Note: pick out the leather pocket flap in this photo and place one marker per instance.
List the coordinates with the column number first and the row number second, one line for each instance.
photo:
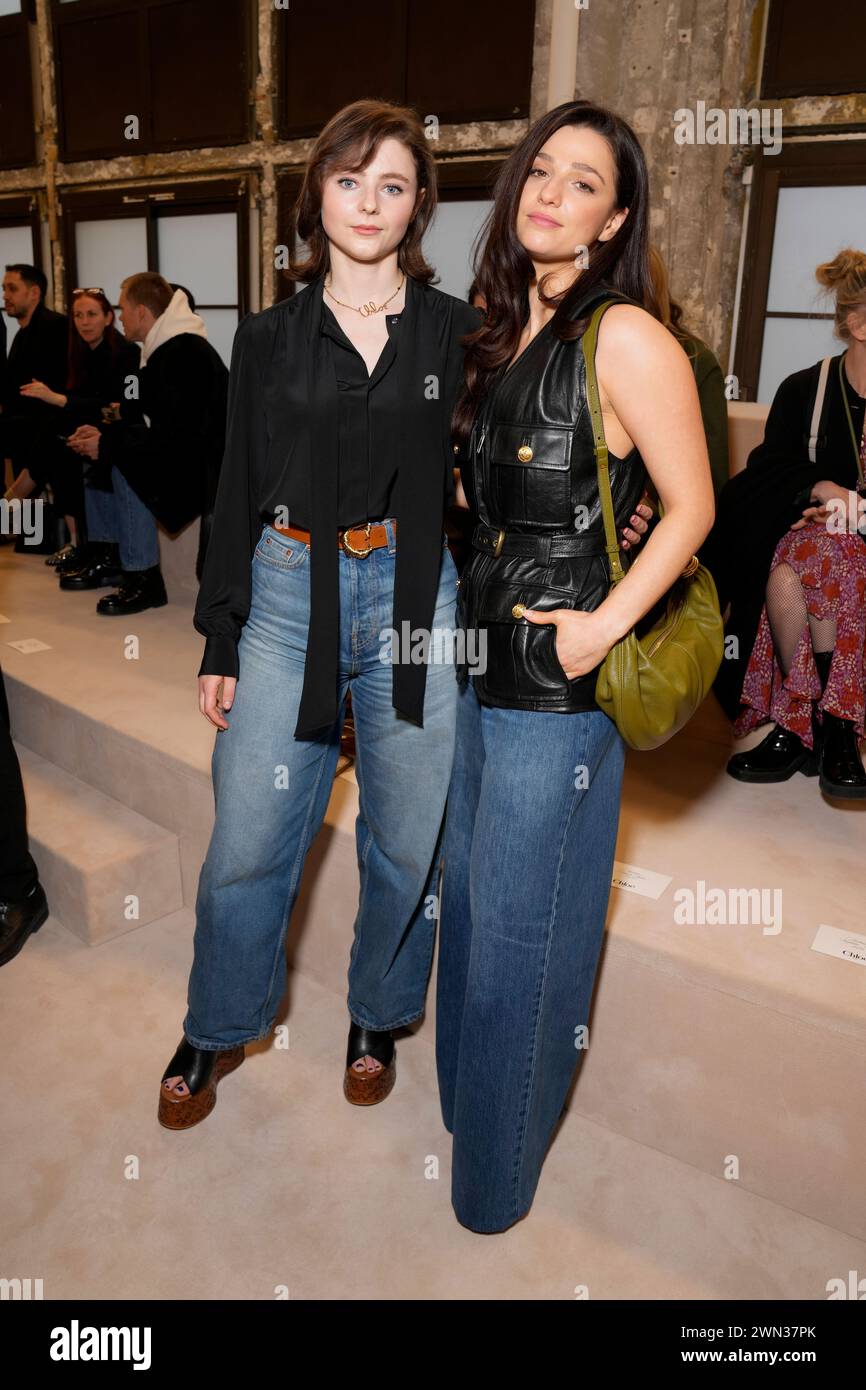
column 497, row 600
column 539, row 446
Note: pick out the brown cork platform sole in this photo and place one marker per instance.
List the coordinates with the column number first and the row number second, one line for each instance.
column 181, row 1112
column 368, row 1088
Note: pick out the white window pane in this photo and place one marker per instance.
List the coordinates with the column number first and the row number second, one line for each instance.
column 108, row 251
column 16, row 245
column 200, row 251
column 221, row 325
column 448, row 243
column 812, row 225
column 789, row 346
column 10, row 7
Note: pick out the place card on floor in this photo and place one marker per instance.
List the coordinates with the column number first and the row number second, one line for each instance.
column 847, row 945
column 634, row 880
column 28, row 645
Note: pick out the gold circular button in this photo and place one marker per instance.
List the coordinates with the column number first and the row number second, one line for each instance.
column 524, row 453
column 518, row 610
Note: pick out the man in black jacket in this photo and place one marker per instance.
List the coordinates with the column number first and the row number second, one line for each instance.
column 167, row 447
column 39, row 351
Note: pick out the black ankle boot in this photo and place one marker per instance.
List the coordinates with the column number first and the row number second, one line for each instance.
column 775, row 759
column 139, row 589
column 840, row 767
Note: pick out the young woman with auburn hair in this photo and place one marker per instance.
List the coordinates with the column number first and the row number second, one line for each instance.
column 328, row 531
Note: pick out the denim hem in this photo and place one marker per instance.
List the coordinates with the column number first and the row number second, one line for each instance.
column 490, row 1230
column 211, row 1046
column 384, row 1027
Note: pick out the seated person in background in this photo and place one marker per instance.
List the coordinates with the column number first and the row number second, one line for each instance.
column 165, row 450
column 100, row 359
column 807, row 669
column 708, row 374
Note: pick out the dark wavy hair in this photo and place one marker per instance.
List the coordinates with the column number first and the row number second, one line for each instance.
column 349, row 141
column 503, row 268
column 79, row 352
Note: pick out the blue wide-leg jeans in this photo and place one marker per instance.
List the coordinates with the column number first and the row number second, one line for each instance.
column 122, row 516
column 528, row 850
column 271, row 792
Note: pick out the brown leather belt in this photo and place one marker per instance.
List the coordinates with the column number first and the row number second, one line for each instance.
column 372, row 534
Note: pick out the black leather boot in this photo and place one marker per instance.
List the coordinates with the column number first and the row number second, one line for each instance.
column 840, row 767
column 20, row 920
column 774, row 759
column 139, row 589
column 101, row 569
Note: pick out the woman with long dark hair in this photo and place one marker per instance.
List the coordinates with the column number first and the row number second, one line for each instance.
column 533, row 804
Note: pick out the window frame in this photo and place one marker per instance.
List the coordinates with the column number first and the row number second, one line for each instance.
column 151, row 202
column 66, row 14
column 20, row 23
column 807, row 164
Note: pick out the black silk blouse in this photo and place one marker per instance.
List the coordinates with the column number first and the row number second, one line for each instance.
column 365, row 475
column 390, row 440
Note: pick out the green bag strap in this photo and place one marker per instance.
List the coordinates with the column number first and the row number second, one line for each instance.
column 590, row 339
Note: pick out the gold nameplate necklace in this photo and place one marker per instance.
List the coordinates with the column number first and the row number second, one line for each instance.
column 371, row 307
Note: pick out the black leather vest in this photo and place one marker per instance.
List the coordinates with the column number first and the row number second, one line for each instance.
column 530, row 478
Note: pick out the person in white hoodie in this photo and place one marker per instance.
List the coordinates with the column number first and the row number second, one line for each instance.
column 163, row 455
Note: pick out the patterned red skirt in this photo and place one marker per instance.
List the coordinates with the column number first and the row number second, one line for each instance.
column 832, row 570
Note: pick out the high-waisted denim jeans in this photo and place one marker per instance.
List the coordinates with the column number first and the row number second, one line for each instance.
column 271, row 792
column 528, row 850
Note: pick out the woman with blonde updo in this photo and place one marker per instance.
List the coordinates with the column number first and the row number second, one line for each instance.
column 807, row 670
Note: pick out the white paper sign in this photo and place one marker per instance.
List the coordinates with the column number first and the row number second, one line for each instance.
column 634, row 880
column 29, row 644
column 847, row 945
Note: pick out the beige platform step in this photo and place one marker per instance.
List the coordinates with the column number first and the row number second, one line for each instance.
column 106, row 870
column 306, row 1190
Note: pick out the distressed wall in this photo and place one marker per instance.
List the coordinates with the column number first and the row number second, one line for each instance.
column 645, row 58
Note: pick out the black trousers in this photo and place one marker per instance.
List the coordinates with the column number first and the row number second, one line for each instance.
column 18, row 872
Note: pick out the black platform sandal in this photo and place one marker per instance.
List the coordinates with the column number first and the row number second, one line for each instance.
column 369, row 1087
column 202, row 1071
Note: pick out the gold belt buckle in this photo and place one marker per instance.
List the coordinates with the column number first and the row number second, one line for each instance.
column 347, row 545
column 500, row 540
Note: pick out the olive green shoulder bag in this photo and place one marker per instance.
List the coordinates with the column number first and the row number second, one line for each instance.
column 651, row 685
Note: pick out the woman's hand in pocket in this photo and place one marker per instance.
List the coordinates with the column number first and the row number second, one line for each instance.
column 215, row 695
column 581, row 639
